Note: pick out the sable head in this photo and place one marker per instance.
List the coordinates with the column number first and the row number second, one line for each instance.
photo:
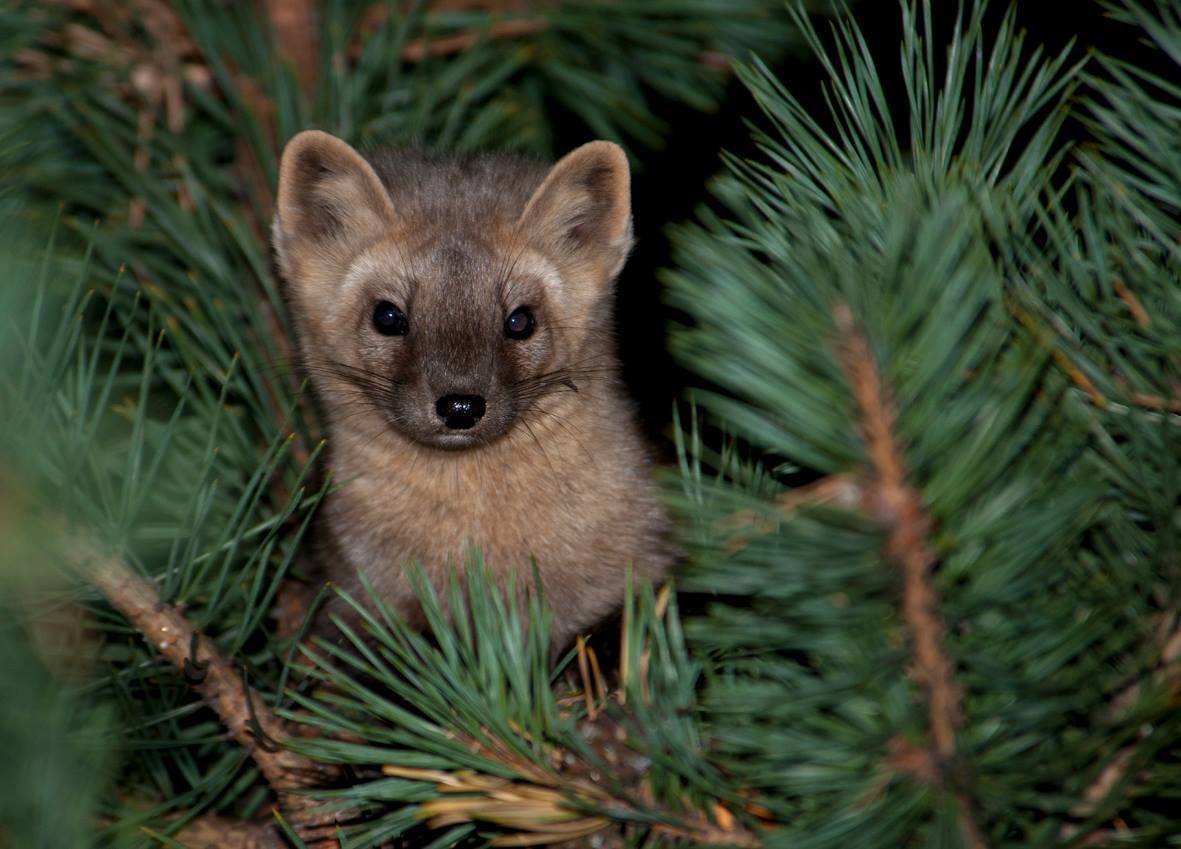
column 447, row 299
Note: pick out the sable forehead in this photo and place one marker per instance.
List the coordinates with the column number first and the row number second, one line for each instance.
column 402, row 265
column 461, row 262
column 456, row 269
column 456, row 284
column 424, row 186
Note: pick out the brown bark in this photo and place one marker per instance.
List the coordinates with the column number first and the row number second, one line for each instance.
column 244, row 713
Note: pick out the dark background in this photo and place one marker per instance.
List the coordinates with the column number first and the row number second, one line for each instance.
column 671, row 183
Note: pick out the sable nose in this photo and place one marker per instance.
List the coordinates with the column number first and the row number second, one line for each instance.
column 459, row 412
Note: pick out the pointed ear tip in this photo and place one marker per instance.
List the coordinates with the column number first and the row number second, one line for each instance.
column 306, row 140
column 295, row 147
column 608, row 150
column 601, row 151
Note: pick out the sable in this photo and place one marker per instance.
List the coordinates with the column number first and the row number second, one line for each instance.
column 455, row 318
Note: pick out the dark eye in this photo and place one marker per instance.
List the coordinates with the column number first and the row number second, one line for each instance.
column 519, row 324
column 388, row 320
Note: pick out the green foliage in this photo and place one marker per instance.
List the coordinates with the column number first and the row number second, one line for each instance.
column 984, row 290
column 475, row 711
column 68, row 753
column 120, row 443
column 147, row 408
column 147, row 402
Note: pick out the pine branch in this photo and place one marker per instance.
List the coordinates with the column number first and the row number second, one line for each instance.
column 471, row 731
column 552, row 809
column 242, row 710
column 838, row 490
column 1155, row 402
column 1049, row 525
column 1135, row 306
column 984, row 285
column 890, row 498
column 1165, row 676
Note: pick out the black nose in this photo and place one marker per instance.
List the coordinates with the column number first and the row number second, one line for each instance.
column 459, row 412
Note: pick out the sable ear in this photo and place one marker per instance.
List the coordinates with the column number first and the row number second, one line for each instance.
column 329, row 197
column 582, row 209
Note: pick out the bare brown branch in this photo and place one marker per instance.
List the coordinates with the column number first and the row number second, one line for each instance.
column 1155, row 402
column 839, row 490
column 240, row 709
column 214, row 831
column 1046, row 337
column 487, row 5
column 893, row 500
column 551, row 812
column 515, row 27
column 561, row 801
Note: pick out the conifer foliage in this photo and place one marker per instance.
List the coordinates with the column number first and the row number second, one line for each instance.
column 929, row 499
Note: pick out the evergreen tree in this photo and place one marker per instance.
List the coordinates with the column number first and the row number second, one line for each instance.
column 929, row 498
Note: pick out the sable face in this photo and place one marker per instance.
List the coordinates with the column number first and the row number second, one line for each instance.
column 446, row 344
column 447, row 310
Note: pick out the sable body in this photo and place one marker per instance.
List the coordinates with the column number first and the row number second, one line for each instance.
column 417, row 281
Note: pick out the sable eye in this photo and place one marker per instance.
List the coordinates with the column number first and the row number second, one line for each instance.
column 519, row 324
column 388, row 320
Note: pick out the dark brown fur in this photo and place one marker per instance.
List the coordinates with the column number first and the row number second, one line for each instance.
column 555, row 471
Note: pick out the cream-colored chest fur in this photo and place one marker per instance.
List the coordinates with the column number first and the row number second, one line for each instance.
column 575, row 496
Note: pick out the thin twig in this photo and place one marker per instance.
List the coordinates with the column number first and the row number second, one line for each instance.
column 1134, row 305
column 212, row 830
column 419, row 49
column 1167, row 671
column 839, row 490
column 423, row 48
column 584, row 671
column 552, row 797
column 549, row 813
column 1064, row 361
column 597, row 676
column 484, row 5
column 889, row 496
column 895, row 501
column 1078, row 376
column 1155, row 402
